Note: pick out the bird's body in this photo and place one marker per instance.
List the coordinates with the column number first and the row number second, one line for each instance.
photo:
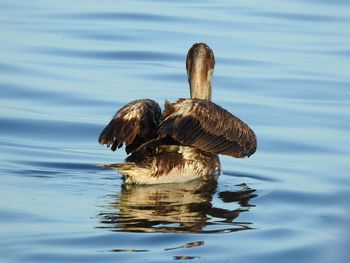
column 183, row 142
column 169, row 164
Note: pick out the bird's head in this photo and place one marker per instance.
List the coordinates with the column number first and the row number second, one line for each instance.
column 200, row 64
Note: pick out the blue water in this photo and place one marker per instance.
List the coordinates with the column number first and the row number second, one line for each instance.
column 67, row 66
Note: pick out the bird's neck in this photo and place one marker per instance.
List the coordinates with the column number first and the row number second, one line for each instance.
column 200, row 83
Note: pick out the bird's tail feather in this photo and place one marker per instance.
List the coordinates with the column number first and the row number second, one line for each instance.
column 121, row 167
column 132, row 172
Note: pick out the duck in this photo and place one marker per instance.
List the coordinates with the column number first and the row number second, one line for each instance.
column 183, row 142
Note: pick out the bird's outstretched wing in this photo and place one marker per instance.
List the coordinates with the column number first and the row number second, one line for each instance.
column 133, row 125
column 206, row 126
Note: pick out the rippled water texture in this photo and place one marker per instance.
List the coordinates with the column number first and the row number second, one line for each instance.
column 281, row 66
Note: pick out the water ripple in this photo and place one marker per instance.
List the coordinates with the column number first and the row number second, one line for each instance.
column 118, row 16
column 15, row 69
column 63, row 165
column 48, row 129
column 13, row 91
column 128, row 55
column 301, row 17
column 249, row 175
column 10, row 216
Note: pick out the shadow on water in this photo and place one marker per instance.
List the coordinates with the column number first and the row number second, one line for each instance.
column 197, row 207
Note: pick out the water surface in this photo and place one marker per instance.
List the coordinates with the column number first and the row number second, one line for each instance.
column 66, row 67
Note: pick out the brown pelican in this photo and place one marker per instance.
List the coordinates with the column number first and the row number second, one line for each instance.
column 182, row 143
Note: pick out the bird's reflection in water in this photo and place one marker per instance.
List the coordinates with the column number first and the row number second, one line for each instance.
column 183, row 208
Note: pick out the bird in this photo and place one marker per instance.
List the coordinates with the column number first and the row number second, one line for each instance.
column 182, row 142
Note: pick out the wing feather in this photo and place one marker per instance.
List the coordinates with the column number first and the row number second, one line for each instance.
column 132, row 125
column 207, row 126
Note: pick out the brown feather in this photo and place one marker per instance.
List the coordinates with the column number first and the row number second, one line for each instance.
column 132, row 125
column 207, row 126
column 164, row 158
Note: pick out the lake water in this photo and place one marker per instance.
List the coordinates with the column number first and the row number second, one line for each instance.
column 67, row 66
